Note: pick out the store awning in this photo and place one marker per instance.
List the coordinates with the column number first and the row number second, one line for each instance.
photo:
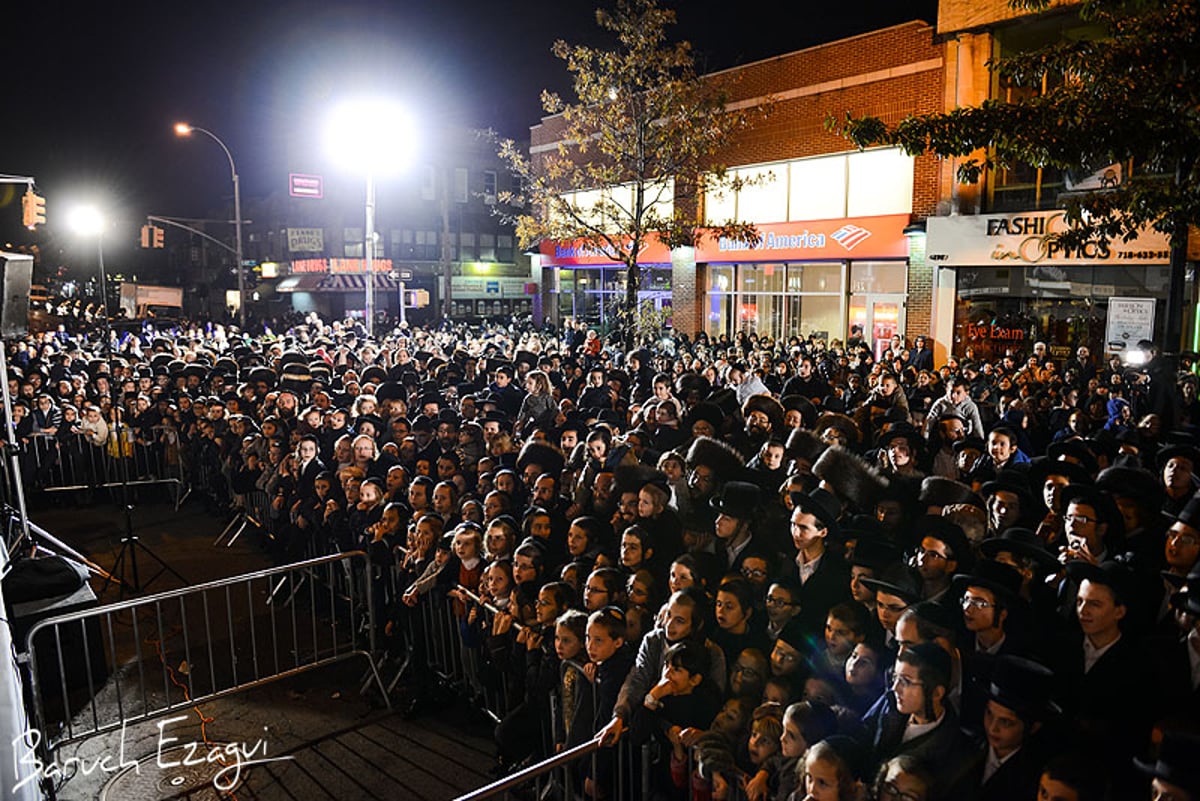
column 324, row 282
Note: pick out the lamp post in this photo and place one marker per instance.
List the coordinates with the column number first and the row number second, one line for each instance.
column 88, row 221
column 184, row 129
column 372, row 137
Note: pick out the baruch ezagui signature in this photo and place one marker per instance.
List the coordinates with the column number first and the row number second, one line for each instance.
column 232, row 757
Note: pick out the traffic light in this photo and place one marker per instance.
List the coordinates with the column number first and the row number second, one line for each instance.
column 33, row 209
column 146, row 235
column 158, row 237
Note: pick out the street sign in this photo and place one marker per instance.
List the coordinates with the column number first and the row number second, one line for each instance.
column 305, row 185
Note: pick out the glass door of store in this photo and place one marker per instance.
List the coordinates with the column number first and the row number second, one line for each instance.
column 881, row 318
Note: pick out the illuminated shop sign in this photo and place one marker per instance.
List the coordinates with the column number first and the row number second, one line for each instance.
column 1030, row 238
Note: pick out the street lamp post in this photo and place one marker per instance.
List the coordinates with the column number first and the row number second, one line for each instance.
column 184, row 129
column 374, row 137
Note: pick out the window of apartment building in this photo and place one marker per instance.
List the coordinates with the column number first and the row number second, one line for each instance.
column 460, row 191
column 352, row 243
column 487, row 247
column 466, row 248
column 490, row 186
column 504, row 248
column 429, row 183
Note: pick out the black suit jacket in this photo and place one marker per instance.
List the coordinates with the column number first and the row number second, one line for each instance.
column 827, row 587
column 1016, row 779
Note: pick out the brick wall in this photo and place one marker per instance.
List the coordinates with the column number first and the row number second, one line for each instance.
column 919, row 308
column 890, row 73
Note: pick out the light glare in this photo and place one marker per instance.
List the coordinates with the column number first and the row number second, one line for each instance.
column 183, row 129
column 86, row 220
column 372, row 136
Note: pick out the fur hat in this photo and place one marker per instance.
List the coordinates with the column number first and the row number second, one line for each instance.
column 942, row 492
column 850, row 478
column 808, row 412
column 768, row 406
column 804, row 444
column 550, row 458
column 724, row 460
column 842, row 423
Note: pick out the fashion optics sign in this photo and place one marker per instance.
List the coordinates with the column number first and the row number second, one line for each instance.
column 1030, row 238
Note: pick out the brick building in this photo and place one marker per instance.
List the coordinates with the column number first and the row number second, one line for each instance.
column 999, row 284
column 835, row 224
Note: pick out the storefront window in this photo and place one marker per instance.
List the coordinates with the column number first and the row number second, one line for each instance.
column 998, row 310
column 776, row 300
column 589, row 294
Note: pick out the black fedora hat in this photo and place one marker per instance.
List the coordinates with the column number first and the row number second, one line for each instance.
column 1189, row 515
column 1176, row 763
column 1191, row 580
column 1184, row 450
column 1132, row 482
column 1004, row 581
column 904, row 431
column 1024, row 686
column 1022, row 542
column 821, row 504
column 1186, row 601
column 1074, row 450
column 738, row 499
column 1115, row 575
column 875, row 554
column 1009, row 481
column 900, row 580
column 1043, row 467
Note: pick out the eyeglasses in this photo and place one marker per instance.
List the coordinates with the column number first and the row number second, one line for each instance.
column 976, row 603
column 1082, row 520
column 904, row 682
column 748, row 672
column 754, row 573
column 595, row 590
column 1182, row 538
column 935, row 556
column 544, row 602
column 888, row 791
column 780, row 602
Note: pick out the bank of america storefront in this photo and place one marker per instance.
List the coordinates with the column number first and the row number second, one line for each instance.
column 1003, row 283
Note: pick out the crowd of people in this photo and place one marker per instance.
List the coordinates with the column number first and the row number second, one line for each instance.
column 796, row 570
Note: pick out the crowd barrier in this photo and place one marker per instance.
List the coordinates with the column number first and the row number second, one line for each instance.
column 100, row 669
column 442, row 648
column 73, row 462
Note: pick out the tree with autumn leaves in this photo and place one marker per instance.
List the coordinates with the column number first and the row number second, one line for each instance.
column 638, row 148
column 1130, row 95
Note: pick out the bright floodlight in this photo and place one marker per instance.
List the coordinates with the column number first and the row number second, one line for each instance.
column 182, row 129
column 370, row 136
column 86, row 220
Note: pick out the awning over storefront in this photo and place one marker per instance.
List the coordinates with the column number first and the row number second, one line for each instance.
column 335, row 283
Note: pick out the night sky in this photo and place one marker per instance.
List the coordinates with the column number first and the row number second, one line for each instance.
column 91, row 90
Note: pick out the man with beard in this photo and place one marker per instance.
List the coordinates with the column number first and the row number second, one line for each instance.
column 764, row 420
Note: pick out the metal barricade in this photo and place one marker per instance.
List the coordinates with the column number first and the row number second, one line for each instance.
column 442, row 647
column 544, row 777
column 101, row 669
column 127, row 458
